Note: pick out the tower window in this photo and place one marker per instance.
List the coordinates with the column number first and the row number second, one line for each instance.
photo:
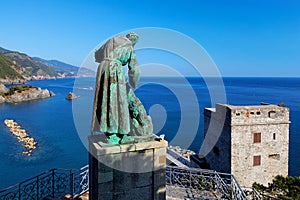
column 275, row 156
column 256, row 137
column 256, row 160
column 274, row 136
column 216, row 150
column 272, row 114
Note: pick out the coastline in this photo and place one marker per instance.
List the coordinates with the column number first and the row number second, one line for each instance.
column 51, row 122
column 7, row 82
column 18, row 94
column 21, row 97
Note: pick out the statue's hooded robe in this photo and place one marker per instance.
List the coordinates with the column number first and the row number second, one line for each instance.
column 111, row 106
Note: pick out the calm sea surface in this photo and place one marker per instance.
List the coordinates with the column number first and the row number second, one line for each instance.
column 60, row 127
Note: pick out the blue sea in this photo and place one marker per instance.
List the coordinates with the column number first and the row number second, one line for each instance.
column 61, row 127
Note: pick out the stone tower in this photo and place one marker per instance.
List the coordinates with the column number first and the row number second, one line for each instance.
column 253, row 143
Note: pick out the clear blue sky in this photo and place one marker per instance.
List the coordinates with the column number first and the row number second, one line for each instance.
column 243, row 37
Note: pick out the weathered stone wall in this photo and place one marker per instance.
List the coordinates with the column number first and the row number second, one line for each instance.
column 235, row 150
column 255, row 115
column 273, row 145
column 128, row 171
column 217, row 138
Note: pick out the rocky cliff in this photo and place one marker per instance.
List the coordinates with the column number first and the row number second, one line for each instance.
column 18, row 94
column 2, row 99
column 3, row 89
column 33, row 94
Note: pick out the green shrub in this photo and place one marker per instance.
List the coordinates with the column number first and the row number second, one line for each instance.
column 281, row 187
column 18, row 89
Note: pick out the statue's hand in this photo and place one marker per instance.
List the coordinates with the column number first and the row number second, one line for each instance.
column 134, row 76
column 132, row 83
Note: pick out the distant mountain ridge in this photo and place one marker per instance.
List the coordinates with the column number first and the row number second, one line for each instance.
column 66, row 69
column 2, row 50
column 17, row 67
column 29, row 66
column 57, row 65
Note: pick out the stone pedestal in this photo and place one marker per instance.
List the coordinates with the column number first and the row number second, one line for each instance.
column 130, row 171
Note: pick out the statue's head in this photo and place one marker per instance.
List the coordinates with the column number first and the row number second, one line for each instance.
column 133, row 37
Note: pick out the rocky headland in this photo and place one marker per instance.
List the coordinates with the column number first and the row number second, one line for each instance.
column 17, row 94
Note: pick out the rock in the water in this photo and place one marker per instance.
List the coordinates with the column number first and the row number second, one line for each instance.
column 28, row 142
column 71, row 96
column 52, row 94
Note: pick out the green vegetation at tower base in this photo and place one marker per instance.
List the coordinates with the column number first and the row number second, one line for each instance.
column 287, row 188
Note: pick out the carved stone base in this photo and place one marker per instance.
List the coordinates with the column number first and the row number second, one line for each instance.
column 128, row 171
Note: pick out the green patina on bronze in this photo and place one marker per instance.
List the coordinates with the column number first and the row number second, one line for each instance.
column 117, row 111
